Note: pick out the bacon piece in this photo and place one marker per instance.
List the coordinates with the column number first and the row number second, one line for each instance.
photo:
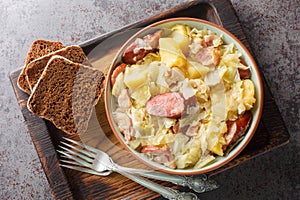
column 189, row 130
column 150, row 148
column 191, row 105
column 124, row 124
column 124, row 101
column 152, row 39
column 207, row 41
column 141, row 47
column 160, row 154
column 170, row 104
column 237, row 128
column 208, row 56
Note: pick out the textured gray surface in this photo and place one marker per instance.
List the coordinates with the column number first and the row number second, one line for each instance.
column 272, row 28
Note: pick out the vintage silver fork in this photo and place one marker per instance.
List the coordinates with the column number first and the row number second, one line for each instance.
column 94, row 161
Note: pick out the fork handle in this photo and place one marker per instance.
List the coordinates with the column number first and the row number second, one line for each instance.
column 199, row 183
column 166, row 192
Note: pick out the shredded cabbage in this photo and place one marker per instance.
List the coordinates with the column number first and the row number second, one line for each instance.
column 197, row 137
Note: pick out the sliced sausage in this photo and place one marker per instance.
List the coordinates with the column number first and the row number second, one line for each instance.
column 244, row 73
column 120, row 68
column 134, row 53
column 141, row 47
column 170, row 104
column 237, row 128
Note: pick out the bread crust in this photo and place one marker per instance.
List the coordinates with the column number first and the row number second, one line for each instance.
column 38, row 48
column 36, row 67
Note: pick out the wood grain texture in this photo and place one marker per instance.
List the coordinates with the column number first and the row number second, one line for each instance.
column 70, row 184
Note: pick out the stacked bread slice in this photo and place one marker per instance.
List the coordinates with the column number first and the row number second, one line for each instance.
column 38, row 49
column 63, row 86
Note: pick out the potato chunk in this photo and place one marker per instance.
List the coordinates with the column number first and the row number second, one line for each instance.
column 180, row 35
column 171, row 54
column 135, row 77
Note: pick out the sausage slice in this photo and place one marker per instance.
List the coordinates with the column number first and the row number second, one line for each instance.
column 237, row 128
column 244, row 73
column 170, row 104
column 141, row 47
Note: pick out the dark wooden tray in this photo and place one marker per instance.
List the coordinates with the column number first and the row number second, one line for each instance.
column 70, row 184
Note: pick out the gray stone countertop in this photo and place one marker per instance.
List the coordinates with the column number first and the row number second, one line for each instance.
column 272, row 28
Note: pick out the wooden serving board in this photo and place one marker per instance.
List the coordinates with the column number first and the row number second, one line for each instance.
column 70, row 184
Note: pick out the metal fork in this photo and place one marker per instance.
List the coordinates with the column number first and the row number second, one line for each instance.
column 88, row 159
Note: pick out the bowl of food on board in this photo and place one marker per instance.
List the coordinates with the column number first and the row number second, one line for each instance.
column 184, row 96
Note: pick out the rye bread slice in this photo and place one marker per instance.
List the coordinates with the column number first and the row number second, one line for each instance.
column 66, row 93
column 38, row 48
column 35, row 68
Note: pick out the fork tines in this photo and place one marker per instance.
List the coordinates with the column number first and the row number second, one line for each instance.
column 76, row 155
column 79, row 157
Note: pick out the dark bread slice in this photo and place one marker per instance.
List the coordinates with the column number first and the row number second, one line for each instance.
column 38, row 48
column 66, row 93
column 35, row 68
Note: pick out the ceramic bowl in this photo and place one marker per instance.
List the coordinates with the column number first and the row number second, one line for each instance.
column 227, row 38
